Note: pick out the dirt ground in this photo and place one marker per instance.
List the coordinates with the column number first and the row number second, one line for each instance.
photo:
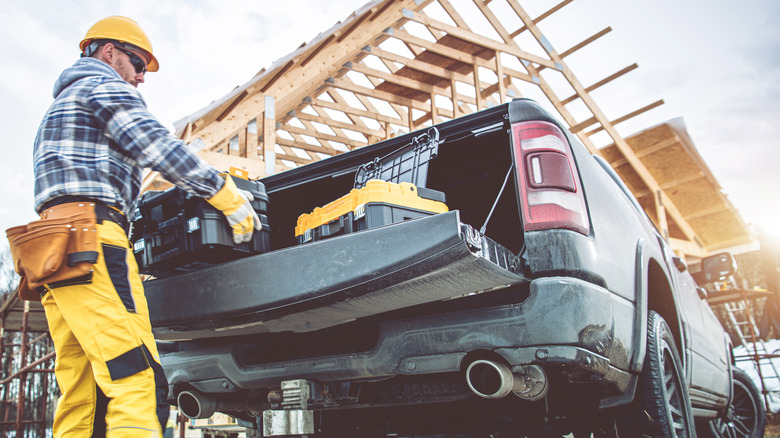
column 772, row 426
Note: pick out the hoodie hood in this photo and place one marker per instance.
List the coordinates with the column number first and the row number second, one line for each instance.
column 83, row 68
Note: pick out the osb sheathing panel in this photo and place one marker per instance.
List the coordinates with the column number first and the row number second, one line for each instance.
column 670, row 164
column 718, row 227
column 437, row 61
column 695, row 196
column 651, row 137
column 674, row 163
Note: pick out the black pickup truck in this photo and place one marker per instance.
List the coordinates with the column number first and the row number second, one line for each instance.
column 544, row 302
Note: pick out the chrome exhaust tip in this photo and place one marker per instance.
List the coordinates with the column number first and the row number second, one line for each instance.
column 195, row 405
column 489, row 379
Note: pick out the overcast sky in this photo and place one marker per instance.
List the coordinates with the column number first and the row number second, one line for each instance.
column 714, row 62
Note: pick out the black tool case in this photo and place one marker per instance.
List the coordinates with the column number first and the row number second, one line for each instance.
column 377, row 203
column 387, row 190
column 406, row 164
column 175, row 232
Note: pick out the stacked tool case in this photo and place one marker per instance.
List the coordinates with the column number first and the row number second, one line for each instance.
column 376, row 204
column 175, row 232
column 407, row 164
column 386, row 191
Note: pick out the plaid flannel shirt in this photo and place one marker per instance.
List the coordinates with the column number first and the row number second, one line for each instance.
column 97, row 137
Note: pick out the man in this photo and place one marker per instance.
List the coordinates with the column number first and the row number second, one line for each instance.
column 90, row 151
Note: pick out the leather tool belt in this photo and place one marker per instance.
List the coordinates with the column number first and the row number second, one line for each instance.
column 59, row 249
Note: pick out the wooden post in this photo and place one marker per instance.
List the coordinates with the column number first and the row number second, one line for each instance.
column 477, row 88
column 269, row 135
column 455, row 109
column 661, row 213
column 434, row 110
column 500, row 74
column 251, row 139
column 242, row 139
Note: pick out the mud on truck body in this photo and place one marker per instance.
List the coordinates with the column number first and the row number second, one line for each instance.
column 543, row 302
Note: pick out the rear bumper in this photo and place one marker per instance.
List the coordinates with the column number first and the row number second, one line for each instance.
column 564, row 321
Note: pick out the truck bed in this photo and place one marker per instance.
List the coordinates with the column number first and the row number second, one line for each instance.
column 330, row 282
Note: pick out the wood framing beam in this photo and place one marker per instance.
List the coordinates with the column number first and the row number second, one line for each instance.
column 290, row 156
column 477, row 88
column 660, row 212
column 497, row 87
column 493, row 20
column 439, row 49
column 298, row 81
column 252, row 140
column 479, row 40
column 317, row 50
column 602, row 82
column 346, row 109
column 546, row 14
column 232, row 105
column 621, row 119
column 393, row 79
column 336, row 124
column 453, row 13
column 583, row 124
column 621, row 144
column 277, row 75
column 307, row 147
column 388, row 97
column 341, row 35
column 418, row 65
column 351, row 144
column 587, row 41
column 500, row 75
column 688, row 247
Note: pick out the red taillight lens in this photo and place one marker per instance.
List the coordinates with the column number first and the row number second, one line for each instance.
column 550, row 192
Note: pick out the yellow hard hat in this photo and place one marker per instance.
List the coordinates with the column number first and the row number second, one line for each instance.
column 124, row 30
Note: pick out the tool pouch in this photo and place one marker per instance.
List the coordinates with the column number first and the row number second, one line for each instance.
column 58, row 250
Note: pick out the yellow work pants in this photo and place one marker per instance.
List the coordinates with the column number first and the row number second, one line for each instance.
column 103, row 339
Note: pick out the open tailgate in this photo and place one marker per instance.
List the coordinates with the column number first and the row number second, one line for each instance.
column 330, row 282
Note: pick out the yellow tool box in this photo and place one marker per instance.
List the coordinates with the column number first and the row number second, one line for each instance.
column 378, row 203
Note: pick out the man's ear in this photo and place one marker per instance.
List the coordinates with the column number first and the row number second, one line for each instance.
column 108, row 52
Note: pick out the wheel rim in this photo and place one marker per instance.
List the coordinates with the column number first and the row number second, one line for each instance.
column 740, row 420
column 673, row 395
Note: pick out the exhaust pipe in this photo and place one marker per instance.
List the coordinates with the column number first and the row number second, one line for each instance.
column 195, row 405
column 490, row 379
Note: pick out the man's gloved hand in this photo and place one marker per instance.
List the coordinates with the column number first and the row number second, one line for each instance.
column 234, row 204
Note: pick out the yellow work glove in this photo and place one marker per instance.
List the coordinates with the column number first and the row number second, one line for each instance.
column 234, row 204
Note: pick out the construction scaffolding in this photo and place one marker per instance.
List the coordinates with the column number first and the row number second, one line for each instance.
column 27, row 358
column 737, row 310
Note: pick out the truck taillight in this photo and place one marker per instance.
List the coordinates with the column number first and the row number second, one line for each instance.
column 549, row 184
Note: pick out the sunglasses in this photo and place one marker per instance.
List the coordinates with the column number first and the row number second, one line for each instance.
column 138, row 63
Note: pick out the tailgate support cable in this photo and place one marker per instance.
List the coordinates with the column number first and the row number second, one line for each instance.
column 500, row 192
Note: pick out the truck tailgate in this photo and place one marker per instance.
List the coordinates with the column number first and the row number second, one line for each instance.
column 330, row 282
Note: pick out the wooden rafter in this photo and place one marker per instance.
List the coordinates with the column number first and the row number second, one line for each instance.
column 450, row 62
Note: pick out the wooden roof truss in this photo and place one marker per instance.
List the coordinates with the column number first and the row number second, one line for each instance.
column 394, row 66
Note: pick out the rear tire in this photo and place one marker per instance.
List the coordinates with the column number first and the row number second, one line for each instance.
column 745, row 417
column 662, row 407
